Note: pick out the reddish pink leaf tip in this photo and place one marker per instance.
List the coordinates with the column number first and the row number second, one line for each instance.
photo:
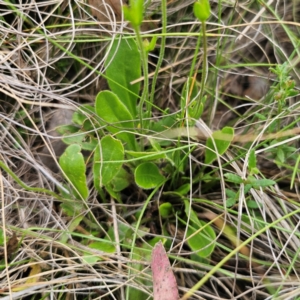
column 164, row 282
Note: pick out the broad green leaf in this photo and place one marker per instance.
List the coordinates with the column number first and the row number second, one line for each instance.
column 166, row 210
column 74, row 135
column 108, row 158
column 85, row 141
column 123, row 65
column 73, row 165
column 147, row 176
column 222, row 139
column 114, row 112
column 83, row 114
column 166, row 122
column 121, row 181
column 202, row 241
column 190, row 213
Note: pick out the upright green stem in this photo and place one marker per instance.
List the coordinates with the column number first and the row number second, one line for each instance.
column 204, row 65
column 145, row 93
column 162, row 48
column 192, row 71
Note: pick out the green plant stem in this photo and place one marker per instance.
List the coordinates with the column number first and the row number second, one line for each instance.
column 162, row 48
column 295, row 171
column 204, row 65
column 195, row 58
column 145, row 93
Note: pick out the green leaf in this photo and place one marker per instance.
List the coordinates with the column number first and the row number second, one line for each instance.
column 115, row 195
column 252, row 204
column 71, row 227
column 166, row 210
column 230, row 202
column 231, row 197
column 72, row 208
column 252, row 160
column 84, row 140
column 108, row 158
column 150, row 46
column 183, row 189
column 123, row 65
column 121, row 181
column 114, row 112
column 90, row 259
column 247, row 188
column 67, row 129
column 166, row 122
column 233, row 178
column 2, row 237
column 82, row 114
column 104, row 246
column 73, row 165
column 190, row 213
column 222, row 139
column 230, row 193
column 201, row 241
column 261, row 183
column 147, row 176
column 280, row 155
column 260, row 116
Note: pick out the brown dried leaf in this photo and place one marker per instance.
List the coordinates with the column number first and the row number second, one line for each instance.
column 12, row 244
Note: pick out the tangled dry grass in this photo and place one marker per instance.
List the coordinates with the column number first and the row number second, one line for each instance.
column 52, row 61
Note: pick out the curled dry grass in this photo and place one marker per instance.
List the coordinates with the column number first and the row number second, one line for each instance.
column 49, row 54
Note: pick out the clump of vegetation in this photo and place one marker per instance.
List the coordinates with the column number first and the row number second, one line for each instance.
column 184, row 133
